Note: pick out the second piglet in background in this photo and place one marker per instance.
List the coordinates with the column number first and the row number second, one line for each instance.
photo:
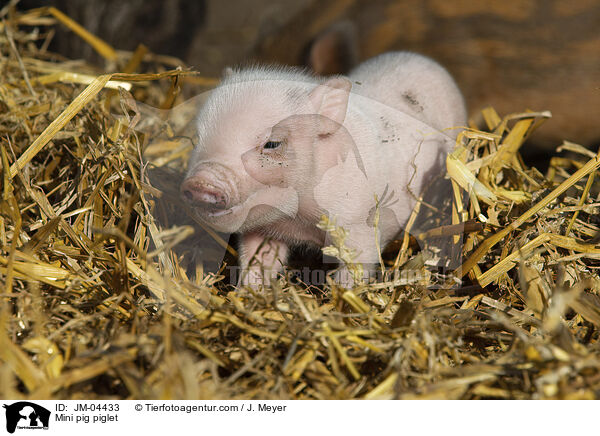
column 279, row 148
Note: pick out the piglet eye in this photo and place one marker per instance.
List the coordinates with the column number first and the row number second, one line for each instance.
column 269, row 145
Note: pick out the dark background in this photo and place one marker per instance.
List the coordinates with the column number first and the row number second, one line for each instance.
column 513, row 55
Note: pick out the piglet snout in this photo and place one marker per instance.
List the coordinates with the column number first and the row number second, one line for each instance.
column 203, row 194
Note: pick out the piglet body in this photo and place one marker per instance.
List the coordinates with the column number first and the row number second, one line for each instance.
column 279, row 148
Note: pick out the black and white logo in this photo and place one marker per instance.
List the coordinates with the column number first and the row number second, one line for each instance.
column 26, row 415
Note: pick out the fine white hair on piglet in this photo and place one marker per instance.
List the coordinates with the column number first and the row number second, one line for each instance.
column 278, row 148
column 423, row 81
column 283, row 84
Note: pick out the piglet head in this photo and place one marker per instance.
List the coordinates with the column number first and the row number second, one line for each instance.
column 255, row 161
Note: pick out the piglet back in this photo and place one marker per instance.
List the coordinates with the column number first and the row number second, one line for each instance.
column 415, row 84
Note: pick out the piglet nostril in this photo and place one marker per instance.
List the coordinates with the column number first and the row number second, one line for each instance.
column 189, row 196
column 203, row 195
column 210, row 197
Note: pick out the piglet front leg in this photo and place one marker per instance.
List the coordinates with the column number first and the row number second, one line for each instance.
column 261, row 259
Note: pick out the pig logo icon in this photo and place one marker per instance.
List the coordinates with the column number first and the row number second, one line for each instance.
column 26, row 415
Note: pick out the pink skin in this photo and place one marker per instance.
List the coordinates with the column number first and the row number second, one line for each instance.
column 262, row 258
column 278, row 150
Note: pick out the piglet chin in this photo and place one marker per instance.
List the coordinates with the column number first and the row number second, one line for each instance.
column 219, row 213
column 229, row 211
column 259, row 209
column 228, row 220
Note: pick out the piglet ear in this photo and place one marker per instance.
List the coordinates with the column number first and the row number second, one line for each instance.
column 330, row 99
